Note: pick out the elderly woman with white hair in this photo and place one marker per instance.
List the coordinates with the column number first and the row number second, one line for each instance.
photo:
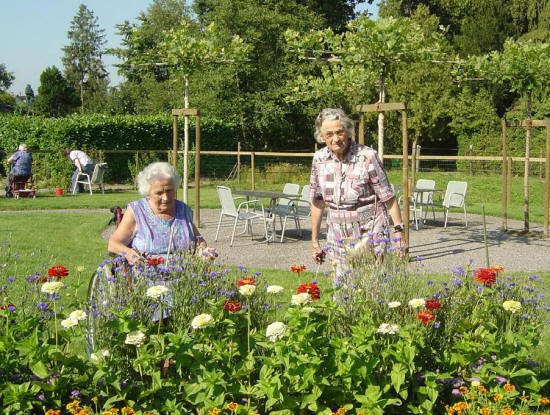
column 348, row 178
column 158, row 223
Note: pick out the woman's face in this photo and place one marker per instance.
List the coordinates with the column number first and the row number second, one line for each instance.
column 162, row 196
column 335, row 136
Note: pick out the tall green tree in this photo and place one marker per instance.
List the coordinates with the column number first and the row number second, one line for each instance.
column 29, row 94
column 82, row 58
column 6, row 78
column 56, row 97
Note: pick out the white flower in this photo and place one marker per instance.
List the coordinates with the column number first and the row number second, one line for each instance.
column 308, row 309
column 275, row 331
column 394, row 304
column 137, row 338
column 103, row 354
column 156, row 291
column 386, row 328
column 202, row 320
column 247, row 290
column 78, row 315
column 69, row 322
column 511, row 305
column 274, row 289
column 417, row 302
column 299, row 299
column 208, row 254
column 81, row 268
column 52, row 287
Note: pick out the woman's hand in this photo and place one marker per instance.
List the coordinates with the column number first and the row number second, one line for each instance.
column 132, row 256
column 318, row 254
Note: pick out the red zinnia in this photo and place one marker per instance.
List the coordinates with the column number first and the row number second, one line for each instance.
column 487, row 276
column 246, row 281
column 311, row 288
column 155, row 260
column 433, row 305
column 425, row 316
column 297, row 268
column 58, row 271
column 232, row 306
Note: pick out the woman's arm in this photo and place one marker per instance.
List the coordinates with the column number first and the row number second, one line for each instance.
column 199, row 239
column 395, row 213
column 122, row 237
column 317, row 208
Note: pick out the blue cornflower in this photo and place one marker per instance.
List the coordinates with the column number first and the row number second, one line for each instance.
column 42, row 306
column 11, row 279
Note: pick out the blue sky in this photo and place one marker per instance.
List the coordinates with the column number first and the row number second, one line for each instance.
column 33, row 32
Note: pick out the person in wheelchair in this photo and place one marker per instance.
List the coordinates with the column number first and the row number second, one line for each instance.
column 158, row 223
column 21, row 169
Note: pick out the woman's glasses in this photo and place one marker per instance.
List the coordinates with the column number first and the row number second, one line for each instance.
column 331, row 134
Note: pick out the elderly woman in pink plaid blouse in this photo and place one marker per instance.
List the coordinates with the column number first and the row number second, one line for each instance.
column 348, row 178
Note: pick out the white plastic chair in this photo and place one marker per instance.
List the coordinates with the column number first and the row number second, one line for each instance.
column 422, row 201
column 285, row 208
column 97, row 178
column 245, row 212
column 455, row 197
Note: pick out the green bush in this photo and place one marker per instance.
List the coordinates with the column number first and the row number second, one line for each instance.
column 93, row 133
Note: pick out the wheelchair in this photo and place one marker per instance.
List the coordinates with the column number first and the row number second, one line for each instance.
column 21, row 187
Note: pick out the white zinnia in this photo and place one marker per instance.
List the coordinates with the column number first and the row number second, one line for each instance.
column 137, row 338
column 78, row 315
column 299, row 299
column 511, row 305
column 394, row 304
column 68, row 323
column 202, row 320
column 52, row 287
column 308, row 309
column 103, row 354
column 386, row 328
column 274, row 289
column 275, row 331
column 247, row 290
column 417, row 302
column 156, row 291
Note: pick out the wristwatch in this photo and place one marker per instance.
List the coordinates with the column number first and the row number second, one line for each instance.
column 399, row 228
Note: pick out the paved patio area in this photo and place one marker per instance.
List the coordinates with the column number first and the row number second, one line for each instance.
column 440, row 249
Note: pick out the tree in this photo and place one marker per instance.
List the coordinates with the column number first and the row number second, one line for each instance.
column 523, row 67
column 6, row 78
column 29, row 94
column 82, row 59
column 56, row 97
column 370, row 50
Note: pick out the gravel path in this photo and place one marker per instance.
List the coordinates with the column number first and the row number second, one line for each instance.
column 440, row 249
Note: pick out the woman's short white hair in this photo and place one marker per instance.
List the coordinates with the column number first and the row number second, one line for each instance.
column 22, row 147
column 153, row 172
column 332, row 114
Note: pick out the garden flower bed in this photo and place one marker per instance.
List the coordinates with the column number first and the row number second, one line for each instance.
column 190, row 336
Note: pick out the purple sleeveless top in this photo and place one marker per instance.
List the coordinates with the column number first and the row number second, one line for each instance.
column 153, row 233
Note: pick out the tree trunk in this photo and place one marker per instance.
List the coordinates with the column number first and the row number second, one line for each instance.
column 526, row 175
column 381, row 99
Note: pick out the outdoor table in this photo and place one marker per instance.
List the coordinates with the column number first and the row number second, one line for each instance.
column 273, row 196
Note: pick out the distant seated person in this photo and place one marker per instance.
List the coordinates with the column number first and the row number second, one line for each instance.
column 21, row 169
column 158, row 222
column 83, row 164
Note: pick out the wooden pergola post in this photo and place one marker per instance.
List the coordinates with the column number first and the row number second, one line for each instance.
column 186, row 112
column 528, row 124
column 394, row 106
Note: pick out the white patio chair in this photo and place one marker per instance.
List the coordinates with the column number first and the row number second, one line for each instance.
column 285, row 208
column 96, row 178
column 245, row 212
column 455, row 197
column 422, row 201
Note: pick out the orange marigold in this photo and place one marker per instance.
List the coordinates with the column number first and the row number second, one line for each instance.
column 485, row 411
column 341, row 411
column 509, row 388
column 83, row 411
column 425, row 316
column 463, row 390
column 214, row 411
column 482, row 389
column 127, row 410
column 486, row 276
column 298, row 268
column 232, row 406
column 72, row 405
column 53, row 412
column 460, row 407
column 544, row 401
column 508, row 411
column 497, row 397
column 450, row 410
column 497, row 268
column 245, row 281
